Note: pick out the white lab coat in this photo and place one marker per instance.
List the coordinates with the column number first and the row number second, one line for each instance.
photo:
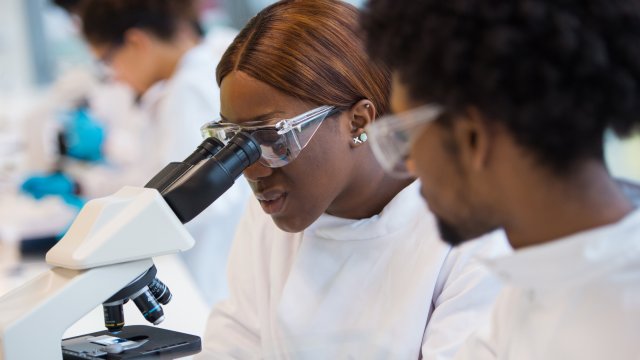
column 574, row 298
column 378, row 288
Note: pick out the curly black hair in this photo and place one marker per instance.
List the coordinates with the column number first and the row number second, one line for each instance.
column 556, row 73
column 107, row 21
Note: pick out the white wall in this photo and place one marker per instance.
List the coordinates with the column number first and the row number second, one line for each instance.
column 16, row 64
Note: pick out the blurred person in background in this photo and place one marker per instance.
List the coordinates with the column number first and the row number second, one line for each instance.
column 82, row 140
column 333, row 259
column 158, row 49
column 159, row 46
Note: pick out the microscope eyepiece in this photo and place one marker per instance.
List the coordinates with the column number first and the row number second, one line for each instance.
column 208, row 148
column 191, row 191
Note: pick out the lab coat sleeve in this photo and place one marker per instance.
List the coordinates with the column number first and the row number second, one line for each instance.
column 483, row 343
column 464, row 296
column 479, row 346
column 233, row 327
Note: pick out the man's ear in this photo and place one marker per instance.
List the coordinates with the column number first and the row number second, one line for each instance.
column 474, row 137
column 138, row 39
column 361, row 114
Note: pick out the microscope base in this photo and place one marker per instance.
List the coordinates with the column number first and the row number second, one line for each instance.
column 160, row 344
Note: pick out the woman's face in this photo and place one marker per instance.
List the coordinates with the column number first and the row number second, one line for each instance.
column 296, row 194
column 131, row 62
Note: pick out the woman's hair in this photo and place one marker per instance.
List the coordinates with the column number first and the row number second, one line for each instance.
column 311, row 50
column 107, row 21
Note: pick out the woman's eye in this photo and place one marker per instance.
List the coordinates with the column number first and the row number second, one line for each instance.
column 279, row 149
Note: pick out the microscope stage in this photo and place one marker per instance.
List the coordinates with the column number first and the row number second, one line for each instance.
column 133, row 342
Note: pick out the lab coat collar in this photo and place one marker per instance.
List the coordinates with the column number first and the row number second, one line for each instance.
column 572, row 260
column 404, row 209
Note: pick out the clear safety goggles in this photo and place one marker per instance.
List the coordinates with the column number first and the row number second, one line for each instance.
column 392, row 136
column 280, row 142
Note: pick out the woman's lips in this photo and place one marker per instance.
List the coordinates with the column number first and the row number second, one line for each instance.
column 272, row 202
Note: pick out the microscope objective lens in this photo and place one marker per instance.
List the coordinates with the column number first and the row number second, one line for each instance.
column 160, row 291
column 148, row 306
column 113, row 316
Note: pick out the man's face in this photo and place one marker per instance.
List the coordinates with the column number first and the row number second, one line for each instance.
column 448, row 185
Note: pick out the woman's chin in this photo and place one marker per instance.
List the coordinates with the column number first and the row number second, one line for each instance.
column 290, row 224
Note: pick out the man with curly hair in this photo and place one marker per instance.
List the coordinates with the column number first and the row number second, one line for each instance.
column 501, row 107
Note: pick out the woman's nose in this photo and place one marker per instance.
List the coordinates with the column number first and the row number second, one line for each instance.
column 257, row 171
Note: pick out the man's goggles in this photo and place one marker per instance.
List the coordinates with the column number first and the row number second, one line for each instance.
column 391, row 136
column 281, row 142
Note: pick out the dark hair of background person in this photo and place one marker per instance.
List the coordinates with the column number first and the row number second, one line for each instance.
column 556, row 73
column 107, row 21
column 311, row 50
column 70, row 6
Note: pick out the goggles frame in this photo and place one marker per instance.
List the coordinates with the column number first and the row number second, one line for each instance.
column 280, row 142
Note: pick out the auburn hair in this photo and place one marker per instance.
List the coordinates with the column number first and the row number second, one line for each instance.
column 312, row 50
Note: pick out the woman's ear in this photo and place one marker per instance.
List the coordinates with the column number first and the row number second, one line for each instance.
column 361, row 114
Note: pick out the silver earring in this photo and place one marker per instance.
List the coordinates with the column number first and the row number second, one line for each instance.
column 360, row 139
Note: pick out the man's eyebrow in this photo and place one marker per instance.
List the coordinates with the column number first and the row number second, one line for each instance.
column 257, row 119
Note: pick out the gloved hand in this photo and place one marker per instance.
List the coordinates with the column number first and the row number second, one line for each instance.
column 83, row 136
column 58, row 184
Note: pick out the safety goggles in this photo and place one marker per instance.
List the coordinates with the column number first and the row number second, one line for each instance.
column 392, row 136
column 280, row 142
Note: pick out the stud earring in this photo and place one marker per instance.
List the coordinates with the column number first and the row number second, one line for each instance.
column 360, row 139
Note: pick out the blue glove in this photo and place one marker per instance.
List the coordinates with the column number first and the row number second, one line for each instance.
column 83, row 136
column 55, row 184
column 40, row 186
column 58, row 184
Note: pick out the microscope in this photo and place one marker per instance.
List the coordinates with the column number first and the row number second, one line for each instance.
column 106, row 258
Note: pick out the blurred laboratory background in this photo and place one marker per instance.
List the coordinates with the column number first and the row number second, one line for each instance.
column 48, row 82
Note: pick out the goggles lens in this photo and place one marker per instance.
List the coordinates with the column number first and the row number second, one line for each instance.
column 280, row 143
column 391, row 137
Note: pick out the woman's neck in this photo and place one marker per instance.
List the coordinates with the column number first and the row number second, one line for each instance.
column 369, row 192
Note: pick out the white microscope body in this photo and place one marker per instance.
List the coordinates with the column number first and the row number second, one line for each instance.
column 111, row 243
